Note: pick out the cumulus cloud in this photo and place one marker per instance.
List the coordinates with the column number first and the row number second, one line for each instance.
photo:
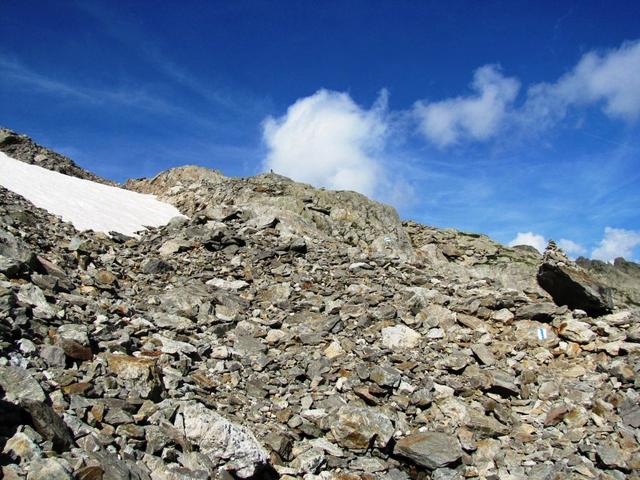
column 617, row 242
column 529, row 238
column 327, row 140
column 571, row 248
column 610, row 78
column 477, row 117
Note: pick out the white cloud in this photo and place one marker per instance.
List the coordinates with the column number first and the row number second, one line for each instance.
column 608, row 78
column 571, row 248
column 476, row 117
column 327, row 140
column 611, row 78
column 617, row 242
column 529, row 238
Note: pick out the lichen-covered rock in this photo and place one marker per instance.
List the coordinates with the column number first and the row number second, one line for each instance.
column 361, row 428
column 18, row 384
column 224, row 442
column 139, row 375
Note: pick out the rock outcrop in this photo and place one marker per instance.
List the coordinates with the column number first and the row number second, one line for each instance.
column 294, row 209
column 274, row 338
column 572, row 286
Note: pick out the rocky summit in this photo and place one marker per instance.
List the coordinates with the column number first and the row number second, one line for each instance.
column 281, row 331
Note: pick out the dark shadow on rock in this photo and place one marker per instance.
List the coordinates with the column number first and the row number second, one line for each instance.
column 575, row 289
column 11, row 417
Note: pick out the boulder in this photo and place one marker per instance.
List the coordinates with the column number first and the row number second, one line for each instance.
column 430, row 449
column 570, row 285
column 49, row 424
column 18, row 384
column 362, row 428
column 224, row 442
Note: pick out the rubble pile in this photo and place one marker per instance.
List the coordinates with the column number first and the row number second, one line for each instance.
column 237, row 343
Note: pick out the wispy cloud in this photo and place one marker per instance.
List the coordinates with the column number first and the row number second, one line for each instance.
column 476, row 117
column 147, row 45
column 610, row 78
column 18, row 74
column 22, row 77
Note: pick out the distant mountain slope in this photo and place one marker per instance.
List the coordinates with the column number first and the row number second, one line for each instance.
column 22, row 148
column 621, row 276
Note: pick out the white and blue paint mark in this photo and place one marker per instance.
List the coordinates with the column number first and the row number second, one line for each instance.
column 542, row 333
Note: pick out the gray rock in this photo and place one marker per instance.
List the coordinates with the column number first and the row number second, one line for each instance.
column 74, row 340
column 32, row 295
column 18, row 385
column 539, row 311
column 21, row 448
column 400, row 337
column 576, row 331
column 484, row 354
column 14, row 250
column 386, row 376
column 138, row 375
column 10, row 267
column 48, row 469
column 612, row 456
column 154, row 266
column 309, row 461
column 430, row 449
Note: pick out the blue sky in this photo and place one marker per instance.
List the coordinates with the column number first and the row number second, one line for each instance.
column 520, row 120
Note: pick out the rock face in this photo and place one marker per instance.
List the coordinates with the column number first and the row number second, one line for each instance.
column 231, row 344
column 571, row 286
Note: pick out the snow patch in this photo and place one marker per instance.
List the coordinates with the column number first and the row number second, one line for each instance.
column 87, row 205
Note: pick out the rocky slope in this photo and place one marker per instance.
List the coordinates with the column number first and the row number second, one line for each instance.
column 622, row 277
column 300, row 210
column 285, row 332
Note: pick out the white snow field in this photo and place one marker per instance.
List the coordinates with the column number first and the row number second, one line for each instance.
column 87, row 205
